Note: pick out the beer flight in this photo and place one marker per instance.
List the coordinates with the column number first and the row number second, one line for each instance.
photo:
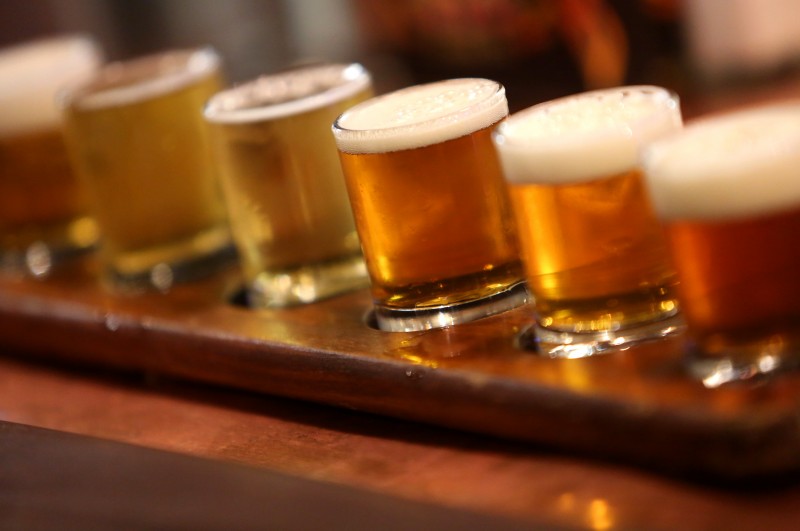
column 613, row 220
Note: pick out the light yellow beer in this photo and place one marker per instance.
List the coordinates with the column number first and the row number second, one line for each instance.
column 728, row 192
column 430, row 204
column 43, row 208
column 594, row 251
column 289, row 210
column 138, row 139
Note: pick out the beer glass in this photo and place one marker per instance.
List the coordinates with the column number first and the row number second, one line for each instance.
column 728, row 191
column 595, row 257
column 43, row 208
column 137, row 138
column 430, row 204
column 290, row 215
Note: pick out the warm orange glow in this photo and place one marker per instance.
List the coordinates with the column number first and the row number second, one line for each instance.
column 566, row 502
column 600, row 516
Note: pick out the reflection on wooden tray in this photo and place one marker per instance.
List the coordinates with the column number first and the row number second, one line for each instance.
column 635, row 405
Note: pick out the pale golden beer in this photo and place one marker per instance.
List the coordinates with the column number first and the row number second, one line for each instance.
column 728, row 192
column 430, row 203
column 43, row 208
column 138, row 140
column 283, row 184
column 594, row 252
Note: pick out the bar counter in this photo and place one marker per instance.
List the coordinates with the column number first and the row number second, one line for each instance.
column 535, row 486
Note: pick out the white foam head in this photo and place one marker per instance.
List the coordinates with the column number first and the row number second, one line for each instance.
column 287, row 93
column 32, row 74
column 421, row 115
column 582, row 137
column 728, row 166
column 144, row 78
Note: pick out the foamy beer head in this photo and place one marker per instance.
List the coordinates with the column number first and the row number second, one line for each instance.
column 730, row 166
column 586, row 136
column 420, row 116
column 32, row 75
column 288, row 93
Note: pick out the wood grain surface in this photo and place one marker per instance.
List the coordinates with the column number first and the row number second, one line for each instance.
column 525, row 482
column 636, row 405
column 54, row 480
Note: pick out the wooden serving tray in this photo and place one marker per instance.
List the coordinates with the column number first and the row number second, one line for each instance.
column 636, row 405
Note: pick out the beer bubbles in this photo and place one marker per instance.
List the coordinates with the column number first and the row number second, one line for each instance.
column 430, row 204
column 728, row 192
column 593, row 250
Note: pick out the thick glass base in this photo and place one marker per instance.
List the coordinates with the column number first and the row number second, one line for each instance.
column 415, row 319
column 163, row 275
column 37, row 250
column 612, row 311
column 38, row 259
column 570, row 345
column 307, row 284
column 744, row 361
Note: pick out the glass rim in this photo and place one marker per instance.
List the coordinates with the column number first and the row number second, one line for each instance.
column 57, row 53
column 609, row 146
column 747, row 160
column 668, row 96
column 427, row 131
column 142, row 78
column 35, row 71
column 352, row 77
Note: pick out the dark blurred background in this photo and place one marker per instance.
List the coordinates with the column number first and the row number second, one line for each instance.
column 539, row 49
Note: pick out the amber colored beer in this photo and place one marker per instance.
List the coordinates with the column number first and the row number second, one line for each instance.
column 739, row 278
column 728, row 192
column 40, row 199
column 42, row 204
column 594, row 252
column 138, row 139
column 430, row 203
column 289, row 210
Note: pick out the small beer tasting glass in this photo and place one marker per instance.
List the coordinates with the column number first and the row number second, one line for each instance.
column 43, row 208
column 283, row 184
column 595, row 257
column 728, row 191
column 430, row 204
column 138, row 140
